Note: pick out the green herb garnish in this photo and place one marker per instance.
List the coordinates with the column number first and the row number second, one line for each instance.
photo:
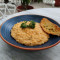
column 23, row 25
column 31, row 25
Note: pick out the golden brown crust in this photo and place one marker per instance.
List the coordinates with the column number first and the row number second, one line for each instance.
column 50, row 27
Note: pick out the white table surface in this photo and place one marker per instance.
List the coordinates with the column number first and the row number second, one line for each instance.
column 8, row 52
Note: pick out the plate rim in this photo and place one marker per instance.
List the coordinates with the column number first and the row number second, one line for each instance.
column 24, row 48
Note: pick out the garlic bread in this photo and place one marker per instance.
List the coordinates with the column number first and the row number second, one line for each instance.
column 50, row 27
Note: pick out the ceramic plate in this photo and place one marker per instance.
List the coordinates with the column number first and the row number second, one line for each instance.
column 7, row 26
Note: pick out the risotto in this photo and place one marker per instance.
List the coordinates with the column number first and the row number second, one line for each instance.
column 28, row 36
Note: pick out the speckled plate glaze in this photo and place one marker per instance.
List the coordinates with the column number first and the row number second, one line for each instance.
column 7, row 26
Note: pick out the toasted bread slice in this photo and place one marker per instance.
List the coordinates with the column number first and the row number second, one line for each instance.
column 50, row 27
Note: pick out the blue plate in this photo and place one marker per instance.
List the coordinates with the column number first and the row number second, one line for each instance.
column 7, row 26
